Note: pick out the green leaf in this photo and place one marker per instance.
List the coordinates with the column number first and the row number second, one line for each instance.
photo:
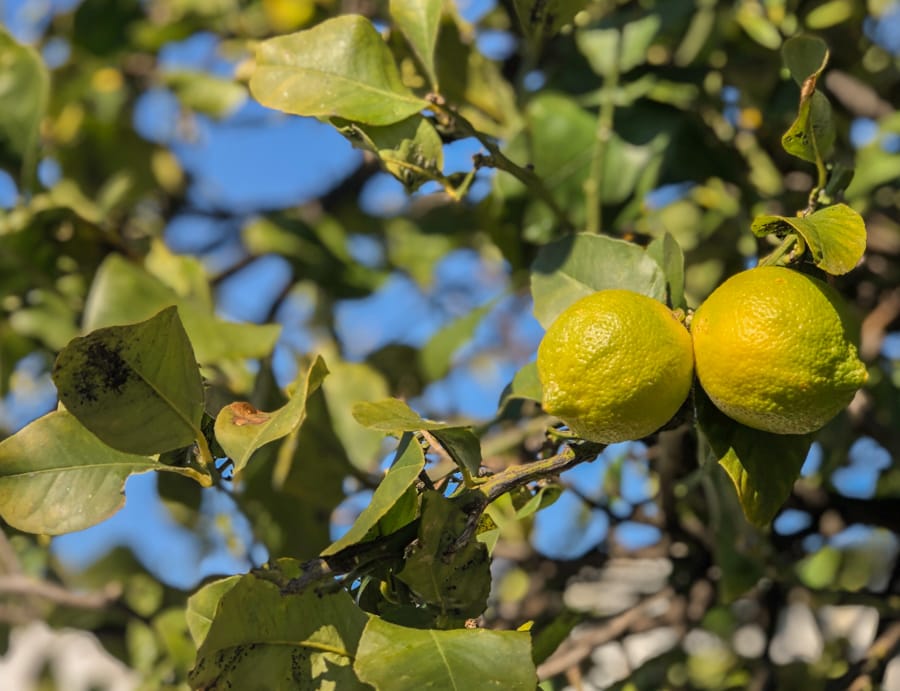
column 545, row 496
column 436, row 356
column 348, row 383
column 543, row 18
column 205, row 93
column 619, row 49
column 408, row 463
column 411, row 150
column 419, row 20
column 525, row 384
column 24, row 92
column 391, row 416
column 811, row 136
column 339, row 68
column 805, row 56
column 578, row 265
column 241, row 429
column 457, row 581
column 835, row 235
column 262, row 638
column 137, row 387
column 203, row 604
column 666, row 252
column 762, row 466
column 56, row 477
column 123, row 292
column 463, row 447
column 396, row 658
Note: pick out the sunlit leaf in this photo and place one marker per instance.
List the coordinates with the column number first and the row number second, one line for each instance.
column 666, row 252
column 202, row 606
column 408, row 463
column 578, row 265
column 205, row 93
column 620, row 48
column 762, row 466
column 835, row 235
column 525, row 384
column 56, row 477
column 392, row 415
column 811, row 136
column 396, row 658
column 137, row 387
column 419, row 20
column 241, row 429
column 339, row 68
column 262, row 638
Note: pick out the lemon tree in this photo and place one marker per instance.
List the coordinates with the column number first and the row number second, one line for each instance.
column 615, row 366
column 776, row 350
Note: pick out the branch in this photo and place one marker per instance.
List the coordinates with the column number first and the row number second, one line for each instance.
column 18, row 584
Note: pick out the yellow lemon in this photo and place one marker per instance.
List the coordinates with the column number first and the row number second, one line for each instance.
column 774, row 350
column 615, row 365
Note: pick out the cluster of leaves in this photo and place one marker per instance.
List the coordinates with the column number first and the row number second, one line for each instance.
column 158, row 382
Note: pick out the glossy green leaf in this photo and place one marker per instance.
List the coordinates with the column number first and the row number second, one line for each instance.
column 241, row 429
column 578, row 265
column 339, row 68
column 393, row 415
column 619, row 49
column 123, row 292
column 543, row 18
column 408, row 463
column 137, row 387
column 396, row 658
column 24, row 92
column 436, row 356
column 419, row 20
column 835, row 235
column 762, row 466
column 805, row 56
column 56, row 477
column 411, row 150
column 666, row 252
column 454, row 579
column 463, row 447
column 203, row 604
column 205, row 93
column 262, row 638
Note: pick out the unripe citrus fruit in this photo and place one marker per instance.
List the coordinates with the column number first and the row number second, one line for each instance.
column 774, row 350
column 615, row 365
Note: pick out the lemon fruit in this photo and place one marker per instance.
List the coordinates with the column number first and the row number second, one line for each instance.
column 774, row 350
column 616, row 365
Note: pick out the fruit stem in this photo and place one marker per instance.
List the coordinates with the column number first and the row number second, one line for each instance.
column 787, row 244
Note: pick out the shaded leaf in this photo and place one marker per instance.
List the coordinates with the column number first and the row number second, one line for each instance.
column 419, row 20
column 56, row 477
column 812, row 134
column 339, row 68
column 578, row 265
column 396, row 658
column 619, row 49
column 463, row 447
column 203, row 604
column 543, row 18
column 805, row 56
column 436, row 356
column 762, row 466
column 454, row 579
column 666, row 252
column 392, row 415
column 205, row 93
column 261, row 638
column 408, row 463
column 411, row 150
column 24, row 92
column 241, row 429
column 123, row 292
column 835, row 235
column 137, row 387
column 525, row 384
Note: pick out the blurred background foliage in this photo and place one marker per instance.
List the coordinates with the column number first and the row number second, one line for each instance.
column 135, row 172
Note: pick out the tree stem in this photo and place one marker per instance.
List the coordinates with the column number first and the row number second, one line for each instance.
column 593, row 187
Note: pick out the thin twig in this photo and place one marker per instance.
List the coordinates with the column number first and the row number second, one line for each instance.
column 18, row 584
column 9, row 560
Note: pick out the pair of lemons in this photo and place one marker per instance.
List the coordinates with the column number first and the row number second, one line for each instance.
column 771, row 347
